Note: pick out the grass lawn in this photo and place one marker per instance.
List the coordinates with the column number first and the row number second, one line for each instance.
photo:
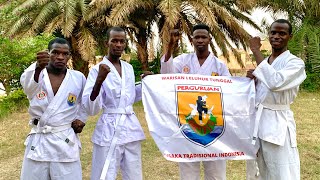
column 13, row 131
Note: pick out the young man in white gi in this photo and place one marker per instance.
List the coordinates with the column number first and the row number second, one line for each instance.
column 54, row 93
column 201, row 62
column 118, row 134
column 278, row 78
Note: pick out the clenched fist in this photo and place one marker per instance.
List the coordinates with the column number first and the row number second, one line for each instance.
column 77, row 126
column 42, row 59
column 255, row 44
column 103, row 72
column 174, row 36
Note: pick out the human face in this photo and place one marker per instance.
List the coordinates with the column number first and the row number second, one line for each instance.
column 279, row 36
column 201, row 40
column 59, row 56
column 116, row 43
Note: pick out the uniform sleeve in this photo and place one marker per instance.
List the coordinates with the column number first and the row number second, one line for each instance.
column 82, row 114
column 166, row 67
column 173, row 65
column 138, row 89
column 225, row 70
column 292, row 75
column 29, row 85
column 91, row 107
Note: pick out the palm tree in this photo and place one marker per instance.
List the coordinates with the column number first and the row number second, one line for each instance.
column 64, row 17
column 223, row 17
column 305, row 43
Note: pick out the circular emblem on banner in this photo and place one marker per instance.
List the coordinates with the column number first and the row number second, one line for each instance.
column 41, row 95
column 186, row 69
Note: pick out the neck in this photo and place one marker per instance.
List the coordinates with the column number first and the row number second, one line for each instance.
column 277, row 52
column 56, row 71
column 202, row 55
column 113, row 59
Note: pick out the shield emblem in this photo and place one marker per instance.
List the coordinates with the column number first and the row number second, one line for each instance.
column 200, row 113
column 71, row 99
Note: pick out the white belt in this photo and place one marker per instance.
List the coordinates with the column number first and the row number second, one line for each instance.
column 52, row 129
column 49, row 129
column 273, row 107
column 127, row 110
column 124, row 112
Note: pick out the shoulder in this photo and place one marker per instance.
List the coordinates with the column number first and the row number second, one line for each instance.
column 76, row 73
column 294, row 59
column 126, row 64
column 218, row 61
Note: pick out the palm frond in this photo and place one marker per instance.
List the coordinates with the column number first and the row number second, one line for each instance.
column 44, row 16
column 86, row 44
column 68, row 9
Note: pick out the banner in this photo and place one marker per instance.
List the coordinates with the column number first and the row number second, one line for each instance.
column 200, row 118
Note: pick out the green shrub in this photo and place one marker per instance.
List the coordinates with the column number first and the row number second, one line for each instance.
column 311, row 83
column 15, row 101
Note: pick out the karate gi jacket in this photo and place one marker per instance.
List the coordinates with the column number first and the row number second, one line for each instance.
column 53, row 139
column 189, row 64
column 277, row 87
column 111, row 98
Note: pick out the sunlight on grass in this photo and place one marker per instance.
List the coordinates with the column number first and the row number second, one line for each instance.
column 14, row 129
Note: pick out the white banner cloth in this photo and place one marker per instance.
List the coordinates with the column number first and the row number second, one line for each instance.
column 200, row 118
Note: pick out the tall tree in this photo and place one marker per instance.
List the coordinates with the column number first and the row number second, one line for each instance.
column 61, row 17
column 223, row 17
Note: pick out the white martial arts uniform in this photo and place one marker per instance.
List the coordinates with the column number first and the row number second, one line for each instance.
column 116, row 94
column 212, row 66
column 277, row 87
column 53, row 148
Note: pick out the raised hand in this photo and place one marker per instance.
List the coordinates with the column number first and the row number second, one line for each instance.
column 255, row 44
column 174, row 36
column 103, row 72
column 42, row 59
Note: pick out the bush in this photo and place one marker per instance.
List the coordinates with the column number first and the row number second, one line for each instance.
column 15, row 101
column 311, row 83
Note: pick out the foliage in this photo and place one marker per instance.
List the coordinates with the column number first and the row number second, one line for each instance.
column 136, row 64
column 153, row 66
column 16, row 100
column 17, row 55
column 223, row 17
column 312, row 82
column 61, row 18
column 304, row 16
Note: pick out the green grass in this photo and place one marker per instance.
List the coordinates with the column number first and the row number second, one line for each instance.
column 13, row 130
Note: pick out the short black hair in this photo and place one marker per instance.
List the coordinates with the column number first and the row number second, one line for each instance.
column 59, row 41
column 284, row 21
column 115, row 28
column 201, row 26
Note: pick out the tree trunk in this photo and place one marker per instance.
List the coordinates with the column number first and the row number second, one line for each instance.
column 6, row 86
column 142, row 48
column 79, row 64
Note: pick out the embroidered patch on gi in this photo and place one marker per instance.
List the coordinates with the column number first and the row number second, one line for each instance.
column 214, row 74
column 41, row 95
column 71, row 99
column 186, row 69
